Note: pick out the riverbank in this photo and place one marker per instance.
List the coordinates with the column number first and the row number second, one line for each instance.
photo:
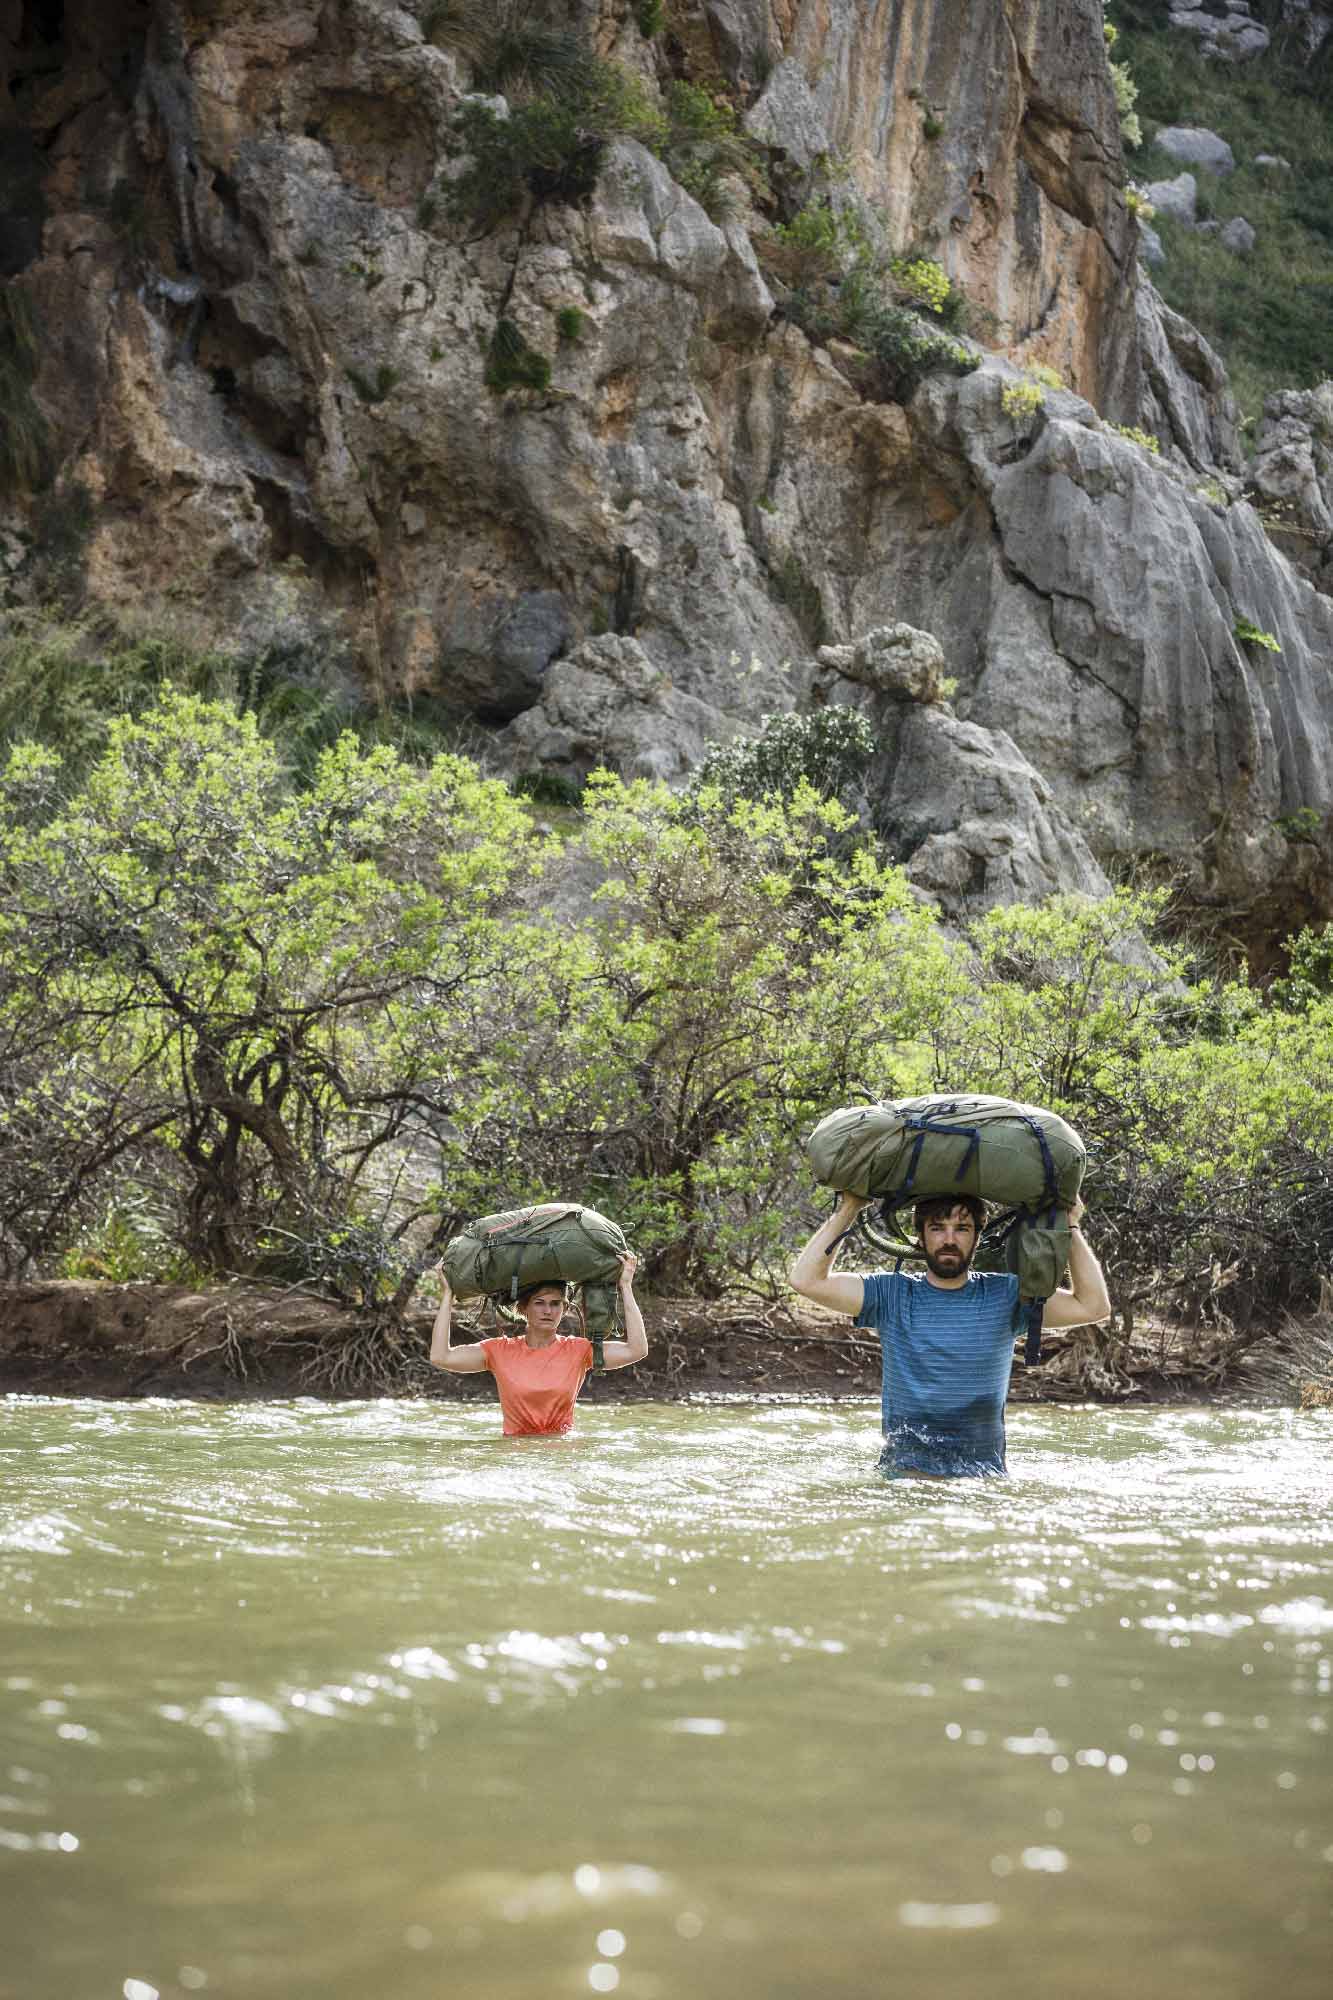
column 64, row 1337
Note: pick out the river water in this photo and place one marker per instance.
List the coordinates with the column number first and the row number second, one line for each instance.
column 358, row 1700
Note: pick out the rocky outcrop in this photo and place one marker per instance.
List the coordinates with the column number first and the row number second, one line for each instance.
column 607, row 704
column 1228, row 33
column 957, row 803
column 1291, row 478
column 270, row 364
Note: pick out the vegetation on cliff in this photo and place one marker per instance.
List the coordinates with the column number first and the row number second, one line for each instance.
column 1266, row 312
column 298, row 1028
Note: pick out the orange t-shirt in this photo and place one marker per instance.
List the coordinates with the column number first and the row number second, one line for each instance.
column 537, row 1384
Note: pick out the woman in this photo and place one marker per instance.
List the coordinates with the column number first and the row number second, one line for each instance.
column 539, row 1372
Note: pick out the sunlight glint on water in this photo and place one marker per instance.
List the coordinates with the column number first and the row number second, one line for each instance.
column 359, row 1700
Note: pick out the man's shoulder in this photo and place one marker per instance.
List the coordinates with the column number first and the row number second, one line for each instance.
column 994, row 1281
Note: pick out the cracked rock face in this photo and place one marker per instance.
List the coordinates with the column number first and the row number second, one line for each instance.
column 268, row 342
column 1291, row 478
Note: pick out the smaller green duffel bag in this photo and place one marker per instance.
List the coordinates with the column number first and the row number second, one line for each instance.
column 555, row 1242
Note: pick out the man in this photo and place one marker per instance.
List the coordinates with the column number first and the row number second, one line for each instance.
column 947, row 1335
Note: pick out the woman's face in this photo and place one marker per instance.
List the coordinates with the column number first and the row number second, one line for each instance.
column 544, row 1311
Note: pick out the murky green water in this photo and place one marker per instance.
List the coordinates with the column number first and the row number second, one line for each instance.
column 299, row 1700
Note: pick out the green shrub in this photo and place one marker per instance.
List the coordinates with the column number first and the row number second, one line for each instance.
column 927, row 285
column 842, row 288
column 25, row 437
column 702, row 143
column 1133, row 435
column 512, row 364
column 570, row 322
column 376, row 388
column 509, row 53
column 1254, row 635
column 649, row 16
column 1306, row 823
column 818, row 243
column 547, row 788
column 549, row 149
column 1021, row 400
column 825, row 748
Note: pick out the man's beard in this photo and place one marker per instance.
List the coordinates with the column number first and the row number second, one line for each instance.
column 955, row 1267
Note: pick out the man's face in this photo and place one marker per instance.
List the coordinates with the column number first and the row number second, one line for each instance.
column 949, row 1241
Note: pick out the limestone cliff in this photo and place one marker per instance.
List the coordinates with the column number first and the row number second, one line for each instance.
column 267, row 333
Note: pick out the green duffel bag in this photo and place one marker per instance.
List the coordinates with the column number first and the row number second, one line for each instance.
column 555, row 1242
column 1026, row 1161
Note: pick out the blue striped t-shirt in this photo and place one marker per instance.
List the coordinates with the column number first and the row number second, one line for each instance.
column 948, row 1352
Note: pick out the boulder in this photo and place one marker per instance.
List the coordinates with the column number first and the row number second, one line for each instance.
column 1232, row 36
column 1196, row 146
column 972, row 821
column 1177, row 198
column 895, row 660
column 606, row 703
column 1313, row 24
column 1291, row 477
column 1184, row 397
column 1238, row 236
column 1151, row 252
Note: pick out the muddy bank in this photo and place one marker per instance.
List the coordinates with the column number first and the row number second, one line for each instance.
column 62, row 1337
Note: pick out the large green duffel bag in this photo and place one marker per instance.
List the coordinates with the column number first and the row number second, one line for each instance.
column 1024, row 1160
column 1015, row 1154
column 555, row 1242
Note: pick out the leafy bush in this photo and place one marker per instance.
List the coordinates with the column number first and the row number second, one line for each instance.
column 744, row 972
column 25, row 438
column 509, row 52
column 1021, row 400
column 927, row 285
column 702, row 143
column 819, row 242
column 548, row 149
column 265, row 990
column 842, row 288
column 1250, row 634
column 511, row 363
column 1133, row 435
column 827, row 749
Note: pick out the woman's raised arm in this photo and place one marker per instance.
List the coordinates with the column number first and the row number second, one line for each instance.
column 467, row 1360
column 621, row 1353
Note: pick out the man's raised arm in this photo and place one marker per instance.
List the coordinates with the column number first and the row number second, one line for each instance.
column 1084, row 1299
column 813, row 1276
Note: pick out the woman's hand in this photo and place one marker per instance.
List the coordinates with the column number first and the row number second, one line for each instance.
column 1076, row 1211
column 629, row 1264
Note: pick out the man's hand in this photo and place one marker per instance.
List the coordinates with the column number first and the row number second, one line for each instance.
column 629, row 1264
column 1077, row 1211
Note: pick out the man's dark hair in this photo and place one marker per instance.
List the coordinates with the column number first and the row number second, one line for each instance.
column 936, row 1205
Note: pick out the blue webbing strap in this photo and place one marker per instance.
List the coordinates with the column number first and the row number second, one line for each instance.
column 1047, row 1162
column 1032, row 1345
column 922, row 1123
